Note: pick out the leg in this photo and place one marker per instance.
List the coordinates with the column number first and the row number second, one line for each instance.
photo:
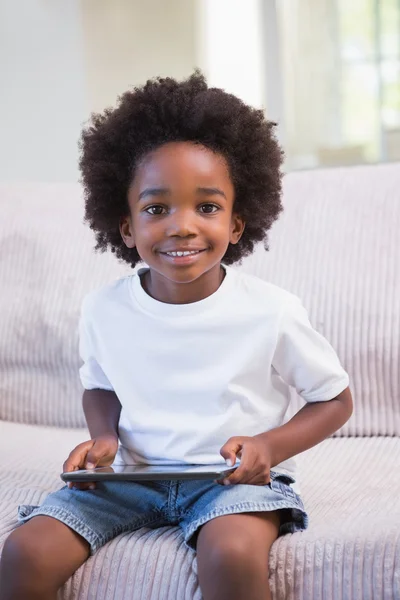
column 38, row 558
column 233, row 553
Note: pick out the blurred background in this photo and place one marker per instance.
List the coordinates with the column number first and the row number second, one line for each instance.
column 328, row 71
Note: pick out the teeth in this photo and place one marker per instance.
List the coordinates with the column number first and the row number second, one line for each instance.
column 183, row 253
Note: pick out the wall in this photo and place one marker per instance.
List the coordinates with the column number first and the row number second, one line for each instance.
column 42, row 96
column 128, row 41
column 60, row 60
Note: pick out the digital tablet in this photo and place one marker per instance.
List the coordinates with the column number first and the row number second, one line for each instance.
column 149, row 473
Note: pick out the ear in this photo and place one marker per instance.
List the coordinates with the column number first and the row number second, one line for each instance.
column 126, row 231
column 237, row 228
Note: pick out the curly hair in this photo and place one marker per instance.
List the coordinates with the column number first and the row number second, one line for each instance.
column 165, row 110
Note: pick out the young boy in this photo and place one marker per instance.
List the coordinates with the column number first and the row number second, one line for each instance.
column 188, row 360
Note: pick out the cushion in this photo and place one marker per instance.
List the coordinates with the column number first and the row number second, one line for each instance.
column 350, row 550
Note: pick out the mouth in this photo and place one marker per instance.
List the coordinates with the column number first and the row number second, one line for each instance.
column 182, row 257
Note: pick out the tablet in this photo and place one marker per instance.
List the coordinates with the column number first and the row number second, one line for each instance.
column 149, row 473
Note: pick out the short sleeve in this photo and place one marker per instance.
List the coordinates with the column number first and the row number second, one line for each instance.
column 91, row 374
column 304, row 359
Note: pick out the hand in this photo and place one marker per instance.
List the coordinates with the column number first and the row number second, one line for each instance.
column 98, row 452
column 255, row 460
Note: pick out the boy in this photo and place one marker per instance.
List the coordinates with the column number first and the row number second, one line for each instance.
column 188, row 360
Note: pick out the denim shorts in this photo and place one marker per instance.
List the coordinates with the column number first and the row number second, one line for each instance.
column 118, row 507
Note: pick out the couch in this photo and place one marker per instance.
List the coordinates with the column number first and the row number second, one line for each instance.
column 337, row 247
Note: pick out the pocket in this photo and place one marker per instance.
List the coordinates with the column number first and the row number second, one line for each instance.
column 282, row 477
column 281, row 484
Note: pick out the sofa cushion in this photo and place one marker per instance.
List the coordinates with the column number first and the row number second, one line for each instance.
column 350, row 550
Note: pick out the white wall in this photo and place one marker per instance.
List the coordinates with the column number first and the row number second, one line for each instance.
column 42, row 100
column 129, row 41
column 62, row 59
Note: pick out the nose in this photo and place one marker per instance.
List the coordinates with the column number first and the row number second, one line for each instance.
column 181, row 224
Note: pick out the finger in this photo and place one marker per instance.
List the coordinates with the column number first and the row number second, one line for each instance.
column 76, row 458
column 245, row 470
column 82, row 485
column 262, row 477
column 231, row 449
column 258, row 479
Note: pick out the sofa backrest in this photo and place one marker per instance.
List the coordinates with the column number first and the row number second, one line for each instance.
column 336, row 246
column 46, row 267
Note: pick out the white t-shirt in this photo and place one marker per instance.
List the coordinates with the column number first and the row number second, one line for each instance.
column 190, row 376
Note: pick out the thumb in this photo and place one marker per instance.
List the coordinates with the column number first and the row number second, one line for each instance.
column 230, row 450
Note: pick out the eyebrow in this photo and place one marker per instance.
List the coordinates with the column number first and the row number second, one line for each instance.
column 206, row 191
column 153, row 192
column 210, row 191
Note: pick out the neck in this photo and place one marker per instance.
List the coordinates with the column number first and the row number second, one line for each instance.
column 171, row 292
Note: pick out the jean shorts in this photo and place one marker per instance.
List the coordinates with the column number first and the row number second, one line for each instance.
column 113, row 508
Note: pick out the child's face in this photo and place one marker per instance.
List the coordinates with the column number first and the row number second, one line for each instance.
column 181, row 200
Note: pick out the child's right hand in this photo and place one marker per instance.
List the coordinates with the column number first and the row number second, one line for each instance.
column 98, row 452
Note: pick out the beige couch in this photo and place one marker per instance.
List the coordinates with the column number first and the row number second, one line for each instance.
column 337, row 246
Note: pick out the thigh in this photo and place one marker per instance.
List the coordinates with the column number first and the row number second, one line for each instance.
column 101, row 514
column 204, row 501
column 43, row 549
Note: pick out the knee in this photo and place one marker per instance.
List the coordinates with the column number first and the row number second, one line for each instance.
column 233, row 555
column 21, row 555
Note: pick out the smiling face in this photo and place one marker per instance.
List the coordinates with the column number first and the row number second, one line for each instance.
column 181, row 220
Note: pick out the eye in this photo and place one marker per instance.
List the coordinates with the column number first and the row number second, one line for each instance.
column 209, row 209
column 155, row 209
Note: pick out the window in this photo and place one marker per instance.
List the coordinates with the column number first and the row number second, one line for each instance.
column 340, row 80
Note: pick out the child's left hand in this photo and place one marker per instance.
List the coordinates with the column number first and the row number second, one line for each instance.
column 255, row 460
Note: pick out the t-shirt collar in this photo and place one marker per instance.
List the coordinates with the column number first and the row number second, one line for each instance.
column 194, row 308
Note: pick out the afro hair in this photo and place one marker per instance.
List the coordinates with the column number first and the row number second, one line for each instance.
column 165, row 110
